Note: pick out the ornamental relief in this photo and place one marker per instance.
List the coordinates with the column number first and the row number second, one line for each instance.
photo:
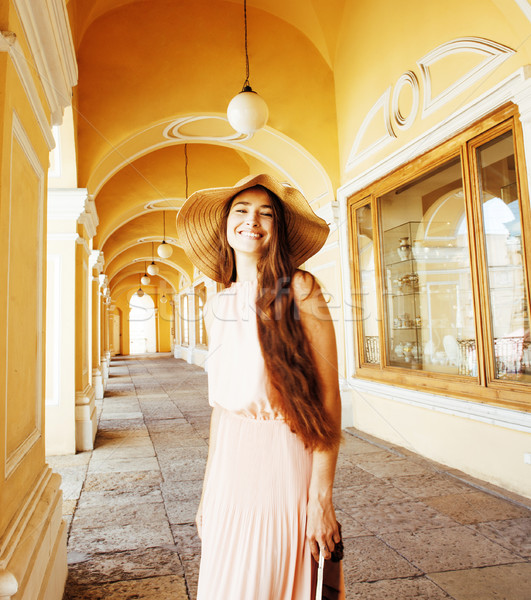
column 435, row 91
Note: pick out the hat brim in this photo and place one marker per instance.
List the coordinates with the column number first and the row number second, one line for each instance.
column 199, row 220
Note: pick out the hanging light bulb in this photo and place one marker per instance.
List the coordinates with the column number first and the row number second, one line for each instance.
column 164, row 299
column 247, row 111
column 164, row 250
column 140, row 292
column 153, row 268
column 145, row 280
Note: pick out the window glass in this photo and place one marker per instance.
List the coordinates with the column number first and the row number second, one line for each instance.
column 367, row 300
column 509, row 306
column 184, row 320
column 429, row 316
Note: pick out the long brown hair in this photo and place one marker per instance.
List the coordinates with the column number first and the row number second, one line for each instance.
column 294, row 386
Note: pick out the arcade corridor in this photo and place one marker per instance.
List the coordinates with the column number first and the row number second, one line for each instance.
column 412, row 529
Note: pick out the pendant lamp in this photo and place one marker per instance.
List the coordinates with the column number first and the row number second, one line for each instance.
column 164, row 250
column 164, row 299
column 145, row 280
column 153, row 268
column 247, row 111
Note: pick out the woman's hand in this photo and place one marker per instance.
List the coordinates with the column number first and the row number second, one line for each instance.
column 321, row 526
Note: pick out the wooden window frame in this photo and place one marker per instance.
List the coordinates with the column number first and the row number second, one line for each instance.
column 200, row 293
column 484, row 387
column 185, row 323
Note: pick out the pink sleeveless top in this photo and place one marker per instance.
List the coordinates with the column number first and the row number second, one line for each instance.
column 235, row 366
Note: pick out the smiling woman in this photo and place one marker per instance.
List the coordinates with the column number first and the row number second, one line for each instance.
column 275, row 429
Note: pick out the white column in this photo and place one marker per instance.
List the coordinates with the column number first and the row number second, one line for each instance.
column 63, row 213
column 70, row 399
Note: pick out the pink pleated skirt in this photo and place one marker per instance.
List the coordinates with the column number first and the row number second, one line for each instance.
column 254, row 514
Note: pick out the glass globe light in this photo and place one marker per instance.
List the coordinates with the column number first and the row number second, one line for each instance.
column 140, row 292
column 145, row 280
column 164, row 299
column 164, row 250
column 153, row 269
column 247, row 111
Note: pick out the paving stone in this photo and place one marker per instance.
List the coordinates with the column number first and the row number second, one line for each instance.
column 477, row 507
column 505, row 582
column 348, row 475
column 72, row 480
column 448, row 549
column 118, row 538
column 121, row 465
column 119, row 497
column 132, row 481
column 171, row 586
column 191, row 574
column 186, row 540
column 134, row 564
column 373, row 493
column 400, row 516
column 370, row 559
column 133, row 536
column 114, row 452
column 122, row 424
column 385, row 464
column 349, row 526
column 513, row 534
column 428, row 485
column 418, row 588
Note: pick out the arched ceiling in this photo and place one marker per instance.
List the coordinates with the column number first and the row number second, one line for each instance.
column 155, row 75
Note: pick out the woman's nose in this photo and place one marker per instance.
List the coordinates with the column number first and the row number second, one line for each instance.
column 252, row 219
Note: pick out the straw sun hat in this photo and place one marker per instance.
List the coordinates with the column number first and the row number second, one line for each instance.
column 199, row 221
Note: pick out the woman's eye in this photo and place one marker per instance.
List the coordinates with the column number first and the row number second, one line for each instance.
column 267, row 215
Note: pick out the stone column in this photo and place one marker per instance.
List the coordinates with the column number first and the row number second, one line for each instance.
column 96, row 262
column 70, row 399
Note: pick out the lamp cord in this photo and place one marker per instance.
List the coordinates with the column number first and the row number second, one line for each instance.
column 163, row 226
column 186, row 170
column 246, row 82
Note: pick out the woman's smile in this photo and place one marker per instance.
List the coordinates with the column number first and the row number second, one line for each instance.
column 250, row 222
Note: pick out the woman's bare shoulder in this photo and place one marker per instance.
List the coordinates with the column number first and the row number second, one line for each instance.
column 305, row 286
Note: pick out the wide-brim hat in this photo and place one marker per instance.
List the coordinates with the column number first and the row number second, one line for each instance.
column 199, row 221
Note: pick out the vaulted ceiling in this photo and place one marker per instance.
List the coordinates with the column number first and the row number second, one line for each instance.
column 156, row 75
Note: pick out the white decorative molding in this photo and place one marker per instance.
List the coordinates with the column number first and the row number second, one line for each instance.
column 89, row 217
column 504, row 92
column 380, row 106
column 525, row 7
column 19, row 134
column 467, row 409
column 17, row 526
column 388, row 104
column 329, row 213
column 495, row 54
column 408, row 78
column 172, row 131
column 47, row 31
column 66, row 204
column 10, row 44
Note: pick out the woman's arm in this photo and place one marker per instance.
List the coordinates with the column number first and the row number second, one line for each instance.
column 321, row 528
column 214, row 420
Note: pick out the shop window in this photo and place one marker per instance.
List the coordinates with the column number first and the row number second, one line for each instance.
column 200, row 329
column 440, row 270
column 185, row 324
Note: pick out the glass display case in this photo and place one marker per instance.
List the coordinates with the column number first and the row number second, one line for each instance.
column 404, row 321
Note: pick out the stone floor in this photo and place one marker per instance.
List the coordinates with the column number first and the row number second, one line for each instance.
column 412, row 529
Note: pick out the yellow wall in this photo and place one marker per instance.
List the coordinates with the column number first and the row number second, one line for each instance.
column 373, row 52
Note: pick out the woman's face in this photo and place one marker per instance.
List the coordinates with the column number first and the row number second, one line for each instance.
column 250, row 222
